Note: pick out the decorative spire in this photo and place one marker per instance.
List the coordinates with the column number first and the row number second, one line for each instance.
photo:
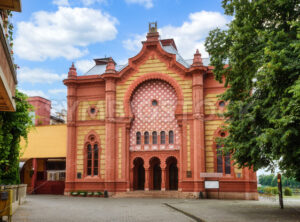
column 152, row 35
column 197, row 61
column 152, row 27
column 72, row 71
column 111, row 66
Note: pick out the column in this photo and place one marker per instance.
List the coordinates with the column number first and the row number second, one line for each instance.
column 147, row 175
column 131, row 179
column 34, row 176
column 163, row 179
column 198, row 71
column 110, row 96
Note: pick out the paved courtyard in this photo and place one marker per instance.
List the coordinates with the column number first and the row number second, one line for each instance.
column 46, row 208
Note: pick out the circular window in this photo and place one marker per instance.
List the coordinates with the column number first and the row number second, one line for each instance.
column 222, row 134
column 154, row 102
column 221, row 104
column 92, row 110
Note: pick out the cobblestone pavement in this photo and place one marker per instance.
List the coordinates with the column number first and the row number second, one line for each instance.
column 46, row 208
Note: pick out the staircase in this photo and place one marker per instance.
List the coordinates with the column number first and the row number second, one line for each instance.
column 156, row 194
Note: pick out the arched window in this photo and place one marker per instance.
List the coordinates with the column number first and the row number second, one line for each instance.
column 92, row 157
column 162, row 137
column 154, row 137
column 223, row 161
column 171, row 137
column 146, row 137
column 138, row 138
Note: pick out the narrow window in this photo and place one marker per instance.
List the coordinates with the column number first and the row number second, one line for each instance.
column 146, row 138
column 138, row 138
column 171, row 137
column 219, row 159
column 154, row 137
column 96, row 159
column 162, row 137
column 89, row 160
column 227, row 164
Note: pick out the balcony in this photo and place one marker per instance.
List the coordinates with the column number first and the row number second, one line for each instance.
column 8, row 79
column 13, row 5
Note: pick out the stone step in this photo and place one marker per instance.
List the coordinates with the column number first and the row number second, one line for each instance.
column 156, row 194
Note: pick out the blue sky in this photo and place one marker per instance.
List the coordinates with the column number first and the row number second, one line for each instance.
column 51, row 34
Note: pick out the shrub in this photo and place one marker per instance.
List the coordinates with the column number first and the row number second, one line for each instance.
column 287, row 191
column 268, row 190
column 274, row 190
column 74, row 193
column 83, row 193
column 100, row 193
column 90, row 193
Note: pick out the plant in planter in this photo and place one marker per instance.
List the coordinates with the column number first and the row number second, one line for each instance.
column 83, row 193
column 74, row 193
column 98, row 194
column 90, row 194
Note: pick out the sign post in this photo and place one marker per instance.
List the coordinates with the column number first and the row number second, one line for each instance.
column 280, row 190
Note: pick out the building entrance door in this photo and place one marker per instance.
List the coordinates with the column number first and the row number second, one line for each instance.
column 138, row 174
column 173, row 177
column 156, row 177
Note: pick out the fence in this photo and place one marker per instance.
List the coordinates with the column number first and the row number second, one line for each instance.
column 17, row 197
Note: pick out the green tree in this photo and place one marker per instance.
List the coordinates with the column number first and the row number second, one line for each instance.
column 262, row 50
column 13, row 126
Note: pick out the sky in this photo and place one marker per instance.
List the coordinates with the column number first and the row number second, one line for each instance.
column 51, row 34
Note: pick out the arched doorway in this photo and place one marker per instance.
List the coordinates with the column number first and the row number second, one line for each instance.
column 172, row 173
column 155, row 174
column 138, row 174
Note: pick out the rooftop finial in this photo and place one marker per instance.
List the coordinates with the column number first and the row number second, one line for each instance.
column 197, row 61
column 152, row 27
column 72, row 71
column 111, row 66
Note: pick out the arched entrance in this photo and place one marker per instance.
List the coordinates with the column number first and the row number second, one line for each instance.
column 138, row 174
column 172, row 173
column 155, row 174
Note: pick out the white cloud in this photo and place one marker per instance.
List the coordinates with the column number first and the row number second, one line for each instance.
column 61, row 2
column 84, row 65
column 146, row 3
column 58, row 91
column 91, row 2
column 189, row 36
column 34, row 93
column 37, row 75
column 64, row 33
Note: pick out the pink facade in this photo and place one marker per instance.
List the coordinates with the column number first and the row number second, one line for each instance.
column 42, row 109
column 150, row 125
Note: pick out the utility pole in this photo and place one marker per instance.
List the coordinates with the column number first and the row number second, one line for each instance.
column 280, row 190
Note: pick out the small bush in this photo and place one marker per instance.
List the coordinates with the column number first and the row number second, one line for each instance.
column 90, row 193
column 274, row 190
column 83, row 193
column 74, row 193
column 260, row 189
column 100, row 193
column 287, row 192
column 268, row 190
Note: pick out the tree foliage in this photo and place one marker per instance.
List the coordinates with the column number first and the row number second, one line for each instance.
column 262, row 49
column 271, row 180
column 13, row 126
